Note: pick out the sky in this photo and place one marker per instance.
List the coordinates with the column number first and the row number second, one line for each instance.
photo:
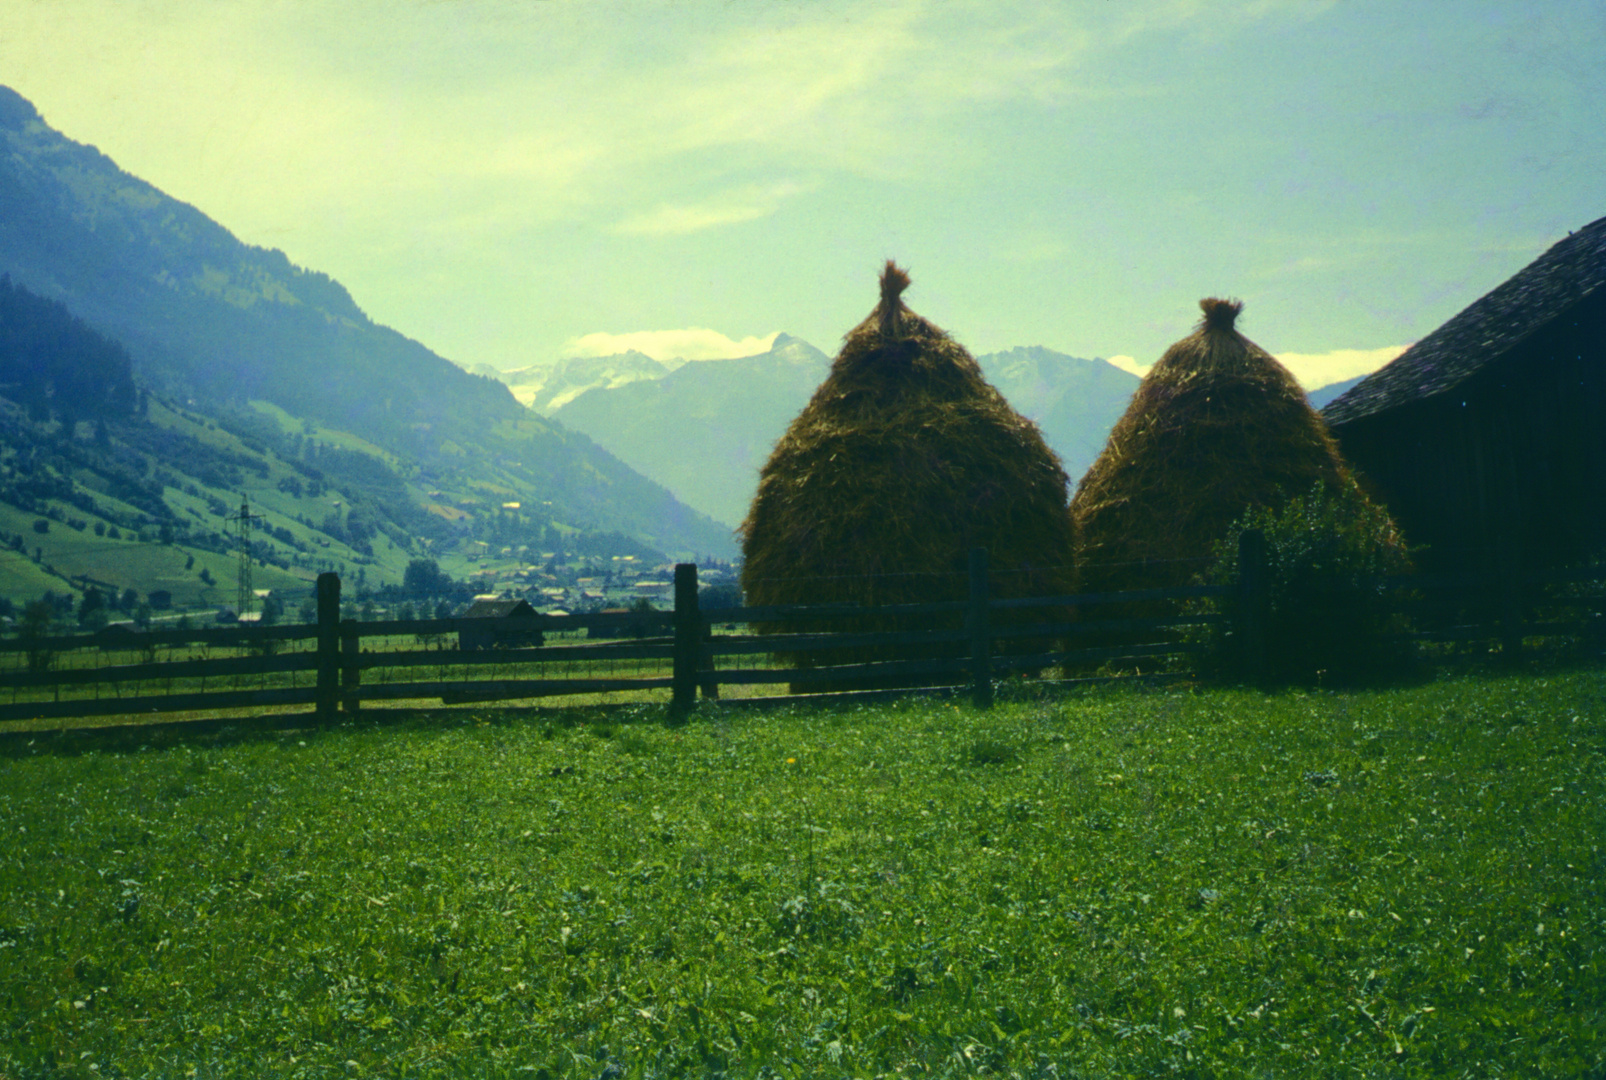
column 511, row 182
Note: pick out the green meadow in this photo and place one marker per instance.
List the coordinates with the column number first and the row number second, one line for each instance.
column 1114, row 882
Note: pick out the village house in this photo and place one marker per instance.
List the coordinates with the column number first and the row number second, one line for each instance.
column 500, row 624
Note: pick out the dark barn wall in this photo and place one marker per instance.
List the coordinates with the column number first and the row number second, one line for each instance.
column 1509, row 464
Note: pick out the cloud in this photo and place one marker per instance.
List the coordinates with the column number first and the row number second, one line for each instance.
column 1127, row 363
column 1313, row 370
column 510, row 117
column 692, row 343
column 1318, row 369
column 744, row 204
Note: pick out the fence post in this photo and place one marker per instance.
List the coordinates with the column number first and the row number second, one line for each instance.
column 981, row 642
column 350, row 673
column 328, row 645
column 688, row 637
column 1252, row 604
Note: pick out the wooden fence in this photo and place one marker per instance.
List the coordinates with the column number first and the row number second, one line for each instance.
column 336, row 666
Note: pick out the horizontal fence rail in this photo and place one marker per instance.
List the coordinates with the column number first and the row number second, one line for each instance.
column 819, row 651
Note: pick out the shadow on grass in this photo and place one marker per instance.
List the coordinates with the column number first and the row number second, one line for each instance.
column 602, row 719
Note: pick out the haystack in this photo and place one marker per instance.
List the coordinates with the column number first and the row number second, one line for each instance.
column 904, row 460
column 1217, row 427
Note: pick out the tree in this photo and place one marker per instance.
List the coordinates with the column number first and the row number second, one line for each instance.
column 37, row 618
column 424, row 577
column 92, row 609
column 37, row 615
column 272, row 610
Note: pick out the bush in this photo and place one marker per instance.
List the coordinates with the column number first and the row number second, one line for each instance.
column 1329, row 617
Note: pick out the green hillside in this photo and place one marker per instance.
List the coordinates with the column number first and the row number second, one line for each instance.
column 229, row 330
column 145, row 503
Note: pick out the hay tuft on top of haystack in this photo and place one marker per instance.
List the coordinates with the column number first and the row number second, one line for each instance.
column 905, row 459
column 1217, row 427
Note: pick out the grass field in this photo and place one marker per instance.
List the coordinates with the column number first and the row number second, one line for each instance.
column 1199, row 883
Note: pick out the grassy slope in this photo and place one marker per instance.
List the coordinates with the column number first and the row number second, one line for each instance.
column 146, row 566
column 1207, row 884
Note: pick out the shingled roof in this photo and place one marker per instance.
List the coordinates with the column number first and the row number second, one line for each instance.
column 498, row 609
column 1544, row 290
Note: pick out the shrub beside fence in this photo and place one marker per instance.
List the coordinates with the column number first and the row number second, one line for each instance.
column 335, row 666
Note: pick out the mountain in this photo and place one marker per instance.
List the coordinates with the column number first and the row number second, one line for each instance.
column 102, row 486
column 106, row 486
column 1322, row 396
column 704, row 430
column 215, row 325
column 550, row 389
column 1074, row 401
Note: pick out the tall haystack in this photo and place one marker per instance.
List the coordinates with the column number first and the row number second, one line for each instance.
column 1218, row 426
column 904, row 460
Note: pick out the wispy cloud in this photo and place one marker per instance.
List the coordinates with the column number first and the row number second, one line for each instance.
column 692, row 343
column 1313, row 370
column 1318, row 369
column 677, row 219
column 310, row 127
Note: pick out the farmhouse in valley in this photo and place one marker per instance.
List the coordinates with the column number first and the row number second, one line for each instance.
column 501, row 624
column 1487, row 438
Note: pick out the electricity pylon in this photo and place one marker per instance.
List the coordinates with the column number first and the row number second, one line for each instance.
column 243, row 594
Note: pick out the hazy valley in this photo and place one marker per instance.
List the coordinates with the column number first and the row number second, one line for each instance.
column 359, row 450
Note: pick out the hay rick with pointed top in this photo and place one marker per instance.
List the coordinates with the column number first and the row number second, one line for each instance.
column 904, row 459
column 1217, row 427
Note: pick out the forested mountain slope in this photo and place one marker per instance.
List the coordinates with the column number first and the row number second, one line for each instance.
column 214, row 324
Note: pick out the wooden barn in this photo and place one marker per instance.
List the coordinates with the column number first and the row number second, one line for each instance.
column 502, row 624
column 1487, row 438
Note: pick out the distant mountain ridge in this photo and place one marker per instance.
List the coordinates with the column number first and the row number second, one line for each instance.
column 1074, row 401
column 548, row 390
column 704, row 429
column 1322, row 396
column 206, row 317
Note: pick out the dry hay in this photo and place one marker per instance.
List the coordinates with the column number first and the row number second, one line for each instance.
column 904, row 460
column 1217, row 427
